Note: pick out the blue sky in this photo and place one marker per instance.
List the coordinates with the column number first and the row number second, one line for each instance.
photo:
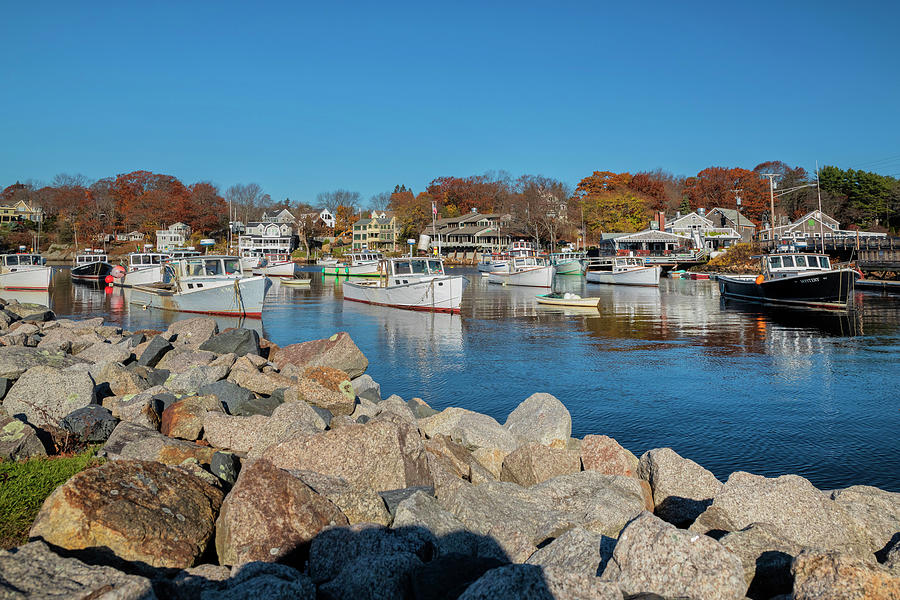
column 304, row 98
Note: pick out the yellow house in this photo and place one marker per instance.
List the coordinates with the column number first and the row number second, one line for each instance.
column 20, row 211
column 376, row 233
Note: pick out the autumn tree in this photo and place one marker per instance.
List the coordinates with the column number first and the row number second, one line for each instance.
column 207, row 211
column 482, row 193
column 344, row 217
column 720, row 187
column 542, row 206
column 412, row 212
column 309, row 226
column 619, row 210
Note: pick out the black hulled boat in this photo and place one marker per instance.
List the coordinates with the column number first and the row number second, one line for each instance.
column 91, row 267
column 795, row 279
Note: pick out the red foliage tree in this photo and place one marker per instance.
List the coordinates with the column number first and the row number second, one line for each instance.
column 720, row 186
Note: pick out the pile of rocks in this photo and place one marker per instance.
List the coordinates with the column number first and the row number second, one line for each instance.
column 238, row 468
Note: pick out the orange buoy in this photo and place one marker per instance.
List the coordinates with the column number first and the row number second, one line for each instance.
column 759, row 279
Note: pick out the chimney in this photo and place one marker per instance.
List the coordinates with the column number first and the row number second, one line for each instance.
column 661, row 219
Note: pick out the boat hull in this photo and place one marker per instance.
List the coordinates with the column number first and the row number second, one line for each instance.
column 535, row 277
column 140, row 276
column 648, row 276
column 576, row 302
column 821, row 289
column 26, row 278
column 239, row 297
column 287, row 268
column 364, row 270
column 441, row 294
column 569, row 267
column 95, row 271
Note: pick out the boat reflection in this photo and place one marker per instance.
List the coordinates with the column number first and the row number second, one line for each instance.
column 809, row 321
column 440, row 332
column 26, row 296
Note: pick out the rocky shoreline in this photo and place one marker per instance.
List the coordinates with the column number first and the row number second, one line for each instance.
column 235, row 468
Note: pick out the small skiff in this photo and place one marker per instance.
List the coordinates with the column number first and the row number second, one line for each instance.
column 568, row 299
column 296, row 282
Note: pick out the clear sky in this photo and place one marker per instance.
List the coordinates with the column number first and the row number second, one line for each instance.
column 309, row 97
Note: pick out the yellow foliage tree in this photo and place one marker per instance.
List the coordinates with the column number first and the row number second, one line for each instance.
column 618, row 211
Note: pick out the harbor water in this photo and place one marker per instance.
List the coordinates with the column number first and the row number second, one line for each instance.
column 731, row 386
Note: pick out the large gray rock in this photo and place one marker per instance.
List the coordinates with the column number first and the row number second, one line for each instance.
column 264, row 581
column 261, row 383
column 120, row 380
column 366, row 387
column 269, row 514
column 154, row 351
column 578, row 550
column 824, row 575
column 184, row 358
column 796, row 511
column 130, row 441
column 531, row 582
column 471, row 429
column 874, row 512
column 423, row 510
column 766, row 558
column 371, row 577
column 142, row 409
column 347, row 452
column 28, row 311
column 233, row 396
column 92, row 423
column 682, row 489
column 191, row 380
column 359, row 505
column 335, row 548
column 18, row 440
column 540, row 418
column 34, row 571
column 337, row 351
column 15, row 360
column 45, row 395
column 103, row 352
column 254, row 434
column 447, row 577
column 192, row 332
column 236, row 341
column 653, row 556
column 533, row 463
column 508, row 512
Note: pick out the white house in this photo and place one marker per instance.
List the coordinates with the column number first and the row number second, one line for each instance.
column 812, row 225
column 282, row 216
column 173, row 237
column 134, row 236
column 703, row 232
column 323, row 215
column 261, row 238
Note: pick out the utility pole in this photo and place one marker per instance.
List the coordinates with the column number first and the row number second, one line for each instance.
column 821, row 220
column 737, row 216
column 771, row 177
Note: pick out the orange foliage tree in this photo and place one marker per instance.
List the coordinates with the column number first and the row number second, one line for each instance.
column 718, row 187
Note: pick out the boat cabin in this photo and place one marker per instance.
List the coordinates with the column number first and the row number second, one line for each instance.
column 521, row 249
column 141, row 259
column 522, row 263
column 15, row 260
column 86, row 259
column 203, row 267
column 416, row 266
column 615, row 264
column 787, row 265
column 364, row 257
column 176, row 254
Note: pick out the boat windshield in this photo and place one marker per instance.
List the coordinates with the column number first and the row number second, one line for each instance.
column 12, row 259
column 213, row 267
column 824, row 262
column 168, row 274
column 232, row 266
column 435, row 266
column 787, row 261
column 800, row 260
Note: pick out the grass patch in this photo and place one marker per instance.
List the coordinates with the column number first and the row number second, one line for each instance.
column 24, row 485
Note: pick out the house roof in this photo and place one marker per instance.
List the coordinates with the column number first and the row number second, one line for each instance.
column 729, row 213
column 690, row 217
column 652, row 235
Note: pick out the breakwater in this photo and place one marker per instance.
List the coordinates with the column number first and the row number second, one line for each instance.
column 237, row 467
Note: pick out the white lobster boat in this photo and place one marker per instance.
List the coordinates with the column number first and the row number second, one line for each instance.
column 357, row 264
column 277, row 265
column 24, row 272
column 568, row 263
column 210, row 285
column 144, row 268
column 412, row 283
column 533, row 271
column 622, row 270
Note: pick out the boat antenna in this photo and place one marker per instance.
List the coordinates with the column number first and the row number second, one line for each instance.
column 771, row 177
column 821, row 220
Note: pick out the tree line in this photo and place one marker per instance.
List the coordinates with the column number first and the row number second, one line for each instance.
column 542, row 207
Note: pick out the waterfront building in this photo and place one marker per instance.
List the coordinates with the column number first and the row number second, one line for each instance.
column 281, row 216
column 174, row 237
column 475, row 232
column 260, row 238
column 324, row 215
column 133, row 236
column 729, row 217
column 20, row 211
column 812, row 226
column 378, row 232
column 703, row 232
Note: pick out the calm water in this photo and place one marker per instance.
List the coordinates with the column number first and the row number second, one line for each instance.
column 733, row 387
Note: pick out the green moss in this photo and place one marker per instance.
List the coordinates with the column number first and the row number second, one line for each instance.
column 24, row 485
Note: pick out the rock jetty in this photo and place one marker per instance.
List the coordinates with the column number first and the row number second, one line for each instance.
column 235, row 468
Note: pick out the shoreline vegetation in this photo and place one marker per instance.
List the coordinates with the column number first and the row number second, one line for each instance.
column 199, row 463
column 135, row 205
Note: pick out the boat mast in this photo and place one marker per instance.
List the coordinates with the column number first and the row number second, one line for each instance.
column 821, row 221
